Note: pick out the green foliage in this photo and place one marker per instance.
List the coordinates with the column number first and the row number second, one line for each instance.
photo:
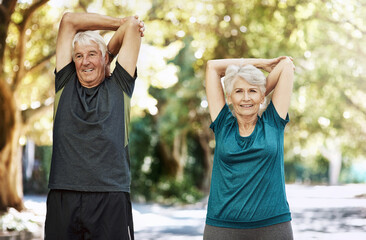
column 322, row 38
column 38, row 183
column 140, row 149
column 148, row 180
column 172, row 191
column 325, row 38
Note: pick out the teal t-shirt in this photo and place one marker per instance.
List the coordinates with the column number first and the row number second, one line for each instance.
column 248, row 185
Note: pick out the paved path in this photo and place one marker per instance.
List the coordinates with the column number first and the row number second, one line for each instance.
column 319, row 212
column 329, row 213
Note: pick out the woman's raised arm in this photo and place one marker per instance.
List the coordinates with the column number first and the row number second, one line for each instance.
column 281, row 79
column 215, row 70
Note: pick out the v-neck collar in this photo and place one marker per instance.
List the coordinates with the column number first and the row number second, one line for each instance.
column 240, row 138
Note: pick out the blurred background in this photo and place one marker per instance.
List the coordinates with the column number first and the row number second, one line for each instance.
column 171, row 145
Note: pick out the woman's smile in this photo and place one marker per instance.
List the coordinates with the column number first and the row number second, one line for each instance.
column 246, row 105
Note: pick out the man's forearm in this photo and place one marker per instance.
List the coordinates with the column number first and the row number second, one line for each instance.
column 92, row 21
column 116, row 41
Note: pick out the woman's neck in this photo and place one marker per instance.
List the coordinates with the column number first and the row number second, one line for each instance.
column 246, row 124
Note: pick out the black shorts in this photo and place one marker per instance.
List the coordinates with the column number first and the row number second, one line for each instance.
column 88, row 215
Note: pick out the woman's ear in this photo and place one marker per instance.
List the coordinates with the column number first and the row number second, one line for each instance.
column 229, row 99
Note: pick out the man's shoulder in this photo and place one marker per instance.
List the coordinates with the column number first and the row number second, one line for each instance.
column 124, row 80
column 70, row 67
column 63, row 76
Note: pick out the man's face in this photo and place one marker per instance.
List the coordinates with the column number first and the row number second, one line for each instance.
column 90, row 64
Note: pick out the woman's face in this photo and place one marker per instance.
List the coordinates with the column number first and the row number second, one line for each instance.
column 245, row 98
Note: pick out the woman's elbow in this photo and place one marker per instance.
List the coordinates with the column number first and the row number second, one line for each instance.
column 210, row 65
column 288, row 63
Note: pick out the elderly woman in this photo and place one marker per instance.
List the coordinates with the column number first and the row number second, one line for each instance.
column 247, row 196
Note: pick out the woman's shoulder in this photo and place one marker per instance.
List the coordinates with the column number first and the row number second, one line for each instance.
column 224, row 118
column 271, row 117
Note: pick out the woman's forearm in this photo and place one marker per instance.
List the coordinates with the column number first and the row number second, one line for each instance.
column 273, row 66
column 220, row 65
column 285, row 65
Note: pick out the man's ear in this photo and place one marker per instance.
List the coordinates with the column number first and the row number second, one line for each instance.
column 106, row 58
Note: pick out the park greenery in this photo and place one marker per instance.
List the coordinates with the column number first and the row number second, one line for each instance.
column 171, row 145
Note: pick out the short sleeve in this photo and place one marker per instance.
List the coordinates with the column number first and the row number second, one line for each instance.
column 221, row 119
column 64, row 75
column 124, row 79
column 272, row 117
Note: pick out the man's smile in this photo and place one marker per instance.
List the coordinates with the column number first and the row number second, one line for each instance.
column 88, row 70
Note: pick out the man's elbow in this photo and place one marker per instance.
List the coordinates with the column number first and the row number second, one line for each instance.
column 68, row 19
column 133, row 24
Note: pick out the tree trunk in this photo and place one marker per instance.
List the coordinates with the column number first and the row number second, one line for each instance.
column 11, row 189
column 333, row 153
column 166, row 158
column 6, row 10
column 173, row 158
column 335, row 166
column 11, row 122
column 180, row 154
column 204, row 140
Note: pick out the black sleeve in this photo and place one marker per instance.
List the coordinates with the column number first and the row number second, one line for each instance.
column 124, row 79
column 64, row 75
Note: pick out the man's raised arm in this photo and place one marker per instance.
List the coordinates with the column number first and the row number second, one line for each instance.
column 70, row 24
column 126, row 43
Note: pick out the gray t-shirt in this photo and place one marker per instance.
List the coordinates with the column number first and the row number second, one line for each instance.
column 90, row 133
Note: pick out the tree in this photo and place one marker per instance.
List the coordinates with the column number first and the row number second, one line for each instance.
column 327, row 112
column 324, row 37
column 17, row 62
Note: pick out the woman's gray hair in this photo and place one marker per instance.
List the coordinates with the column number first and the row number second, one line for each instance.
column 251, row 74
column 85, row 38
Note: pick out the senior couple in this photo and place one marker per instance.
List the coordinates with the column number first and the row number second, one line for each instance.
column 90, row 170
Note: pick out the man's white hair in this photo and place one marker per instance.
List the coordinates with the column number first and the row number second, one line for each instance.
column 85, row 38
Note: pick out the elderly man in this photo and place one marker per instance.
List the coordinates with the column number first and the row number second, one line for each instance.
column 90, row 170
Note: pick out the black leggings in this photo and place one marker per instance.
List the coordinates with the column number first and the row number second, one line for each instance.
column 281, row 231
